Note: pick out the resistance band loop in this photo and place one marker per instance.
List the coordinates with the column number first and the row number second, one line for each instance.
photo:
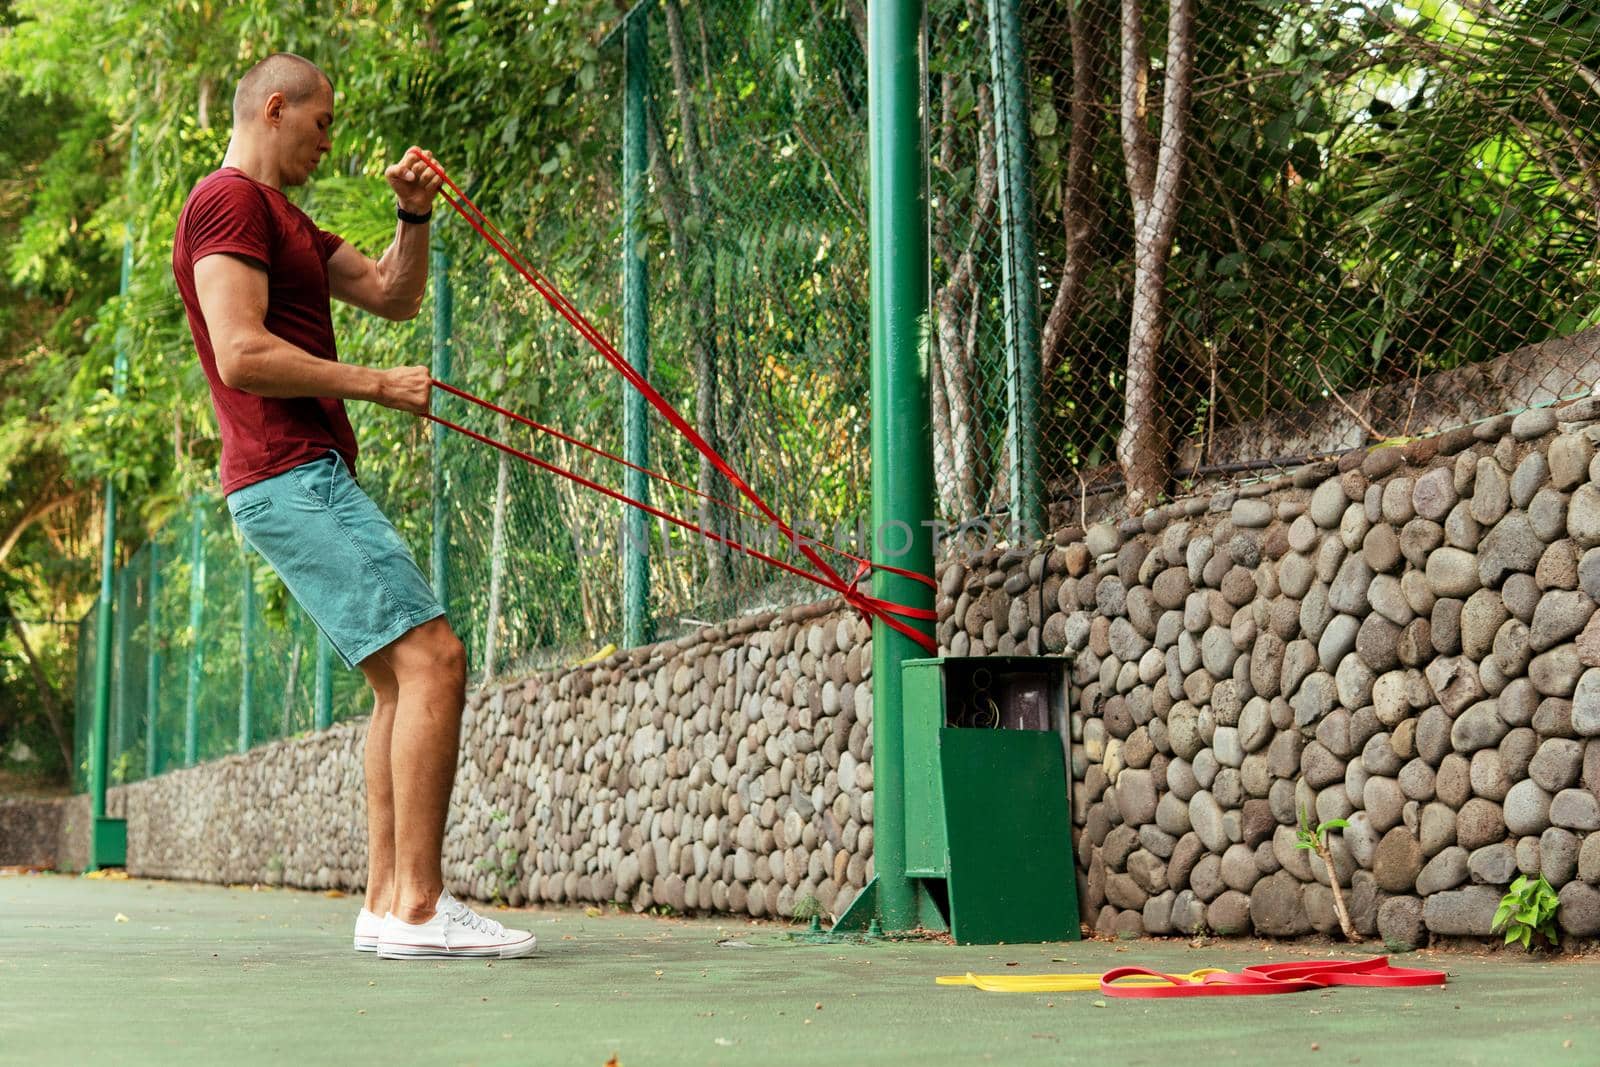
column 660, row 477
column 1255, row 980
column 885, row 610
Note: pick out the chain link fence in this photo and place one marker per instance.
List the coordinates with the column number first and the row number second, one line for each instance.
column 1236, row 238
column 1260, row 232
column 749, row 215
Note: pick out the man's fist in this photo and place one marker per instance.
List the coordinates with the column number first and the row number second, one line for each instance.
column 413, row 181
column 406, row 389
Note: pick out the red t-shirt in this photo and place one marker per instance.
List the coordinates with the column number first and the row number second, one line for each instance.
column 232, row 213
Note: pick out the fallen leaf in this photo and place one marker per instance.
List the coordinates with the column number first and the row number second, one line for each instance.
column 592, row 911
column 613, row 1061
column 121, row 918
column 334, row 893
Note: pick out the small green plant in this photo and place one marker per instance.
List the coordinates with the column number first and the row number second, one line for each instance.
column 1315, row 839
column 807, row 908
column 1528, row 909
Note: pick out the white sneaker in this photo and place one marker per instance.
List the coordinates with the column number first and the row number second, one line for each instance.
column 455, row 930
column 368, row 929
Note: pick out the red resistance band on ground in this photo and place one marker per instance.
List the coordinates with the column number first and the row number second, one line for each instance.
column 894, row 615
column 1270, row 978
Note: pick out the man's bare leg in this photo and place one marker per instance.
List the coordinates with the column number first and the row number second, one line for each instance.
column 430, row 671
column 380, row 786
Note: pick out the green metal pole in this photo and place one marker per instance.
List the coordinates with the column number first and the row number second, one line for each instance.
column 107, row 840
column 636, row 336
column 100, row 732
column 1019, row 270
column 247, row 615
column 197, row 618
column 120, row 703
column 443, row 325
column 902, row 432
column 153, row 664
column 324, row 682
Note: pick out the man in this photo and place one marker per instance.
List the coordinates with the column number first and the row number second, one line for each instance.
column 256, row 276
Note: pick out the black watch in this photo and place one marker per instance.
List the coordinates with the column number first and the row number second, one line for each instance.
column 411, row 216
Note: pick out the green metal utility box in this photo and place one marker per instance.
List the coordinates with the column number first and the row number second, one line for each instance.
column 988, row 830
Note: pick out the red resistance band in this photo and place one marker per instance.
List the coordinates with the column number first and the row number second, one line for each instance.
column 1269, row 978
column 892, row 614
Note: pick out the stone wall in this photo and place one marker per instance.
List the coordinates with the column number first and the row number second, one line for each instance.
column 1406, row 639
column 30, row 831
column 728, row 770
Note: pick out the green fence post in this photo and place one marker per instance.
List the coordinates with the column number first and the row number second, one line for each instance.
column 635, row 334
column 153, row 664
column 197, row 618
column 1020, row 272
column 118, row 740
column 324, row 717
column 108, row 838
column 902, row 433
column 443, row 325
column 100, row 725
column 247, row 615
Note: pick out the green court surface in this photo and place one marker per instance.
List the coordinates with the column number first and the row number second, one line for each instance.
column 135, row 972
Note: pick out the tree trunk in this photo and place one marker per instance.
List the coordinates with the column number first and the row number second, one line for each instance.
column 961, row 458
column 702, row 295
column 48, row 701
column 291, row 680
column 1089, row 23
column 1155, row 182
column 497, row 552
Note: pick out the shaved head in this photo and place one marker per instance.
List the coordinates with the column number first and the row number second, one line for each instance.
column 297, row 78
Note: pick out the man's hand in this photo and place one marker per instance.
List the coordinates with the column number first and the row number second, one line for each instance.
column 405, row 389
column 413, row 181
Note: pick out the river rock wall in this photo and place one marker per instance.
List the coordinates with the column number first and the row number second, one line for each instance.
column 1405, row 639
column 729, row 770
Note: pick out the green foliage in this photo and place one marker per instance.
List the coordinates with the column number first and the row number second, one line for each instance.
column 807, row 908
column 1309, row 837
column 1375, row 192
column 1528, row 910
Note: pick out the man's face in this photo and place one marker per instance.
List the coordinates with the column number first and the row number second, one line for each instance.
column 304, row 136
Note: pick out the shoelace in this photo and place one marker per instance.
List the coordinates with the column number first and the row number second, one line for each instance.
column 472, row 920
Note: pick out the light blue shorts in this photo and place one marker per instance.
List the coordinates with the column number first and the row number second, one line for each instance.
column 339, row 556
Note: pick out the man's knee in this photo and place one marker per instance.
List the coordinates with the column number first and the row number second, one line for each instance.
column 431, row 649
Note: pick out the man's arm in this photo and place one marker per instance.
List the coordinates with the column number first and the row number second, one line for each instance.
column 233, row 301
column 392, row 285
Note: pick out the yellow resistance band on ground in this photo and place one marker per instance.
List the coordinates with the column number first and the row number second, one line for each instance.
column 1057, row 983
